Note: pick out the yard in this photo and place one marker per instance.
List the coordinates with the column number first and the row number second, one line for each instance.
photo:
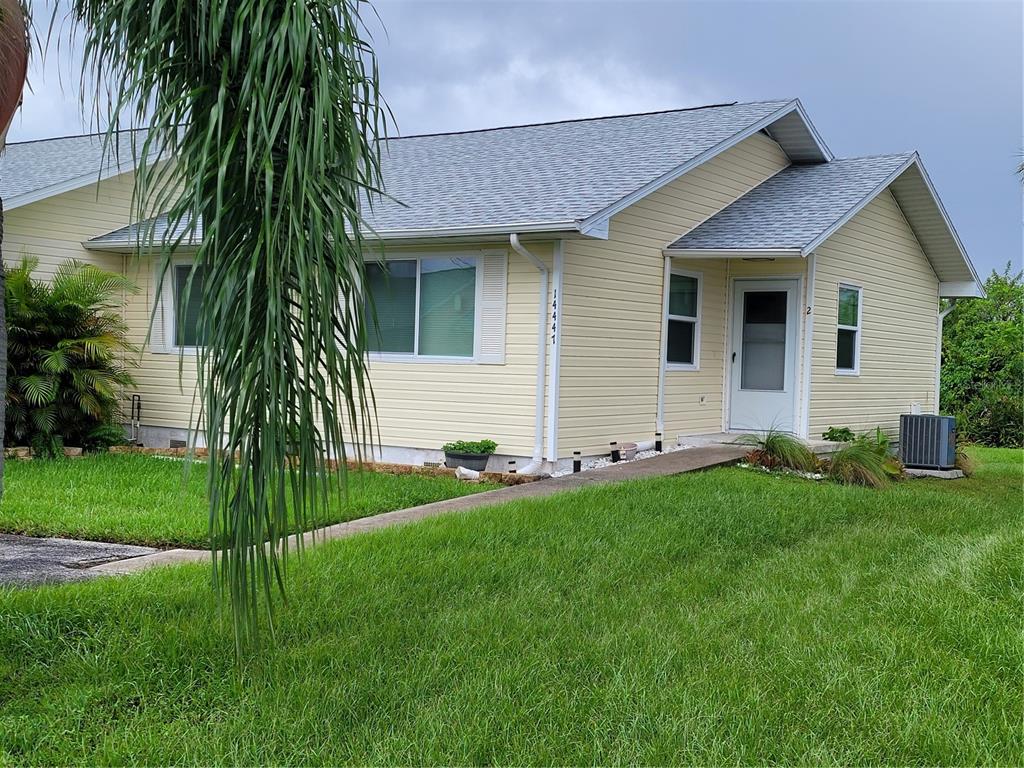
column 137, row 499
column 718, row 617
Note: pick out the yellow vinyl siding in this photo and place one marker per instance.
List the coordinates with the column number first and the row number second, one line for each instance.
column 52, row 230
column 419, row 404
column 612, row 310
column 424, row 405
column 877, row 251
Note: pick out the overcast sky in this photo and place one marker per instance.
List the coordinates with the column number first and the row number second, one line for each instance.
column 944, row 78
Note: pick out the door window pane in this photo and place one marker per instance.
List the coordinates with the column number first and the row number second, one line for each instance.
column 680, row 341
column 447, row 306
column 390, row 306
column 186, row 325
column 846, row 350
column 849, row 299
column 763, row 364
column 682, row 296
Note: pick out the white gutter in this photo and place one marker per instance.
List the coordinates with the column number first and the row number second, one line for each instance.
column 805, row 384
column 542, row 321
column 733, row 253
column 556, row 351
column 939, row 322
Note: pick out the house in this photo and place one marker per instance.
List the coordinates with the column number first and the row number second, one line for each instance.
column 558, row 286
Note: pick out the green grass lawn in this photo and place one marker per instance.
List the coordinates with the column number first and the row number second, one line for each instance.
column 713, row 618
column 139, row 499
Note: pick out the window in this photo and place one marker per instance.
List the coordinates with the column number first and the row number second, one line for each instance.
column 763, row 340
column 682, row 346
column 423, row 306
column 848, row 332
column 186, row 319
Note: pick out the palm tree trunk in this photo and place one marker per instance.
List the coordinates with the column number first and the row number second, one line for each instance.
column 3, row 348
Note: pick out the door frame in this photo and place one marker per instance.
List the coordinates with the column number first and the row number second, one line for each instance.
column 799, row 361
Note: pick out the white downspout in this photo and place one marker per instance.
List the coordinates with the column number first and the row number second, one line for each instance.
column 940, row 321
column 805, row 384
column 659, row 419
column 542, row 321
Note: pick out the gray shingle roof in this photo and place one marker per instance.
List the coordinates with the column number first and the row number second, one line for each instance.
column 544, row 174
column 31, row 166
column 140, row 233
column 794, row 207
column 555, row 172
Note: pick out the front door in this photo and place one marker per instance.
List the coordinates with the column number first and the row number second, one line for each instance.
column 763, row 355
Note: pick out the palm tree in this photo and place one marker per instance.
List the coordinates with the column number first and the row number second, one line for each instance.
column 14, row 46
column 271, row 111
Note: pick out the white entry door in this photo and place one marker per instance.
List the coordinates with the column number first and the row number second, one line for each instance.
column 763, row 355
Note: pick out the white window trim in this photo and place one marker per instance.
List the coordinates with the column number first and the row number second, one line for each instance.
column 171, row 306
column 695, row 365
column 415, row 356
column 857, row 329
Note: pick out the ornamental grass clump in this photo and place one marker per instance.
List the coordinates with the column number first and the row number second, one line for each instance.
column 868, row 461
column 779, row 450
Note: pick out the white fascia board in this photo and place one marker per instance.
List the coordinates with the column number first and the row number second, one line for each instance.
column 733, row 253
column 70, row 185
column 958, row 290
column 666, row 178
column 838, row 223
column 822, row 146
column 567, row 228
column 485, row 229
column 17, row 201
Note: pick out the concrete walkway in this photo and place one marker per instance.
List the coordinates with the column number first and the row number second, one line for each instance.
column 674, row 463
column 28, row 561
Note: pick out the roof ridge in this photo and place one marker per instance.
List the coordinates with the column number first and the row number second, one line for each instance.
column 589, row 119
column 594, row 118
column 96, row 134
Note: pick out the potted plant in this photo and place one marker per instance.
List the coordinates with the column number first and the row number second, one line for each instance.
column 468, row 453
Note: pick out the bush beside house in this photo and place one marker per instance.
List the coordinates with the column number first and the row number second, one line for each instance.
column 983, row 363
column 68, row 358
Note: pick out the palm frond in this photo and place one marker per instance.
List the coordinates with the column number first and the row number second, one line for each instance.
column 271, row 110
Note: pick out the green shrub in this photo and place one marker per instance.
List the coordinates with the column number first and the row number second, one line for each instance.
column 776, row 450
column 103, row 437
column 838, row 434
column 983, row 363
column 481, row 447
column 65, row 356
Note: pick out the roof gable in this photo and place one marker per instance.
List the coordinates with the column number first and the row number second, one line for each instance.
column 35, row 170
column 799, row 208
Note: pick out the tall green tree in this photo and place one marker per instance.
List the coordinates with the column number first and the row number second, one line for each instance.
column 983, row 362
column 271, row 112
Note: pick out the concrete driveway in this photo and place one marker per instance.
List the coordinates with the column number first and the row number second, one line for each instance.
column 27, row 561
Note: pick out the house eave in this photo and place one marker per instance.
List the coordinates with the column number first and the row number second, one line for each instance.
column 733, row 253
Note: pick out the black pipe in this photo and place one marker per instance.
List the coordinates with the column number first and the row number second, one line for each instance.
column 615, row 451
column 657, row 441
column 577, row 463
